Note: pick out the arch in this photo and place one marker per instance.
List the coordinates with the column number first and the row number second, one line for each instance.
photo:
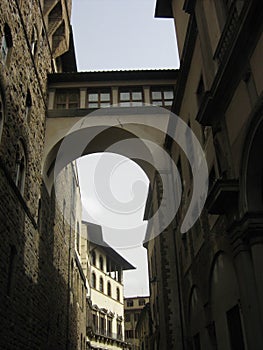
column 223, row 282
column 224, row 297
column 100, row 130
column 251, row 170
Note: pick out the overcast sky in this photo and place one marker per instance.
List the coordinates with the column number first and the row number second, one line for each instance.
column 122, row 34
column 114, row 35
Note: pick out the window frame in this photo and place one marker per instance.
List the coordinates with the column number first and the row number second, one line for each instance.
column 99, row 102
column 162, row 99
column 67, row 102
column 131, row 102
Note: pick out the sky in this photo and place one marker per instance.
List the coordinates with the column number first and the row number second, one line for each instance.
column 122, row 34
column 117, row 35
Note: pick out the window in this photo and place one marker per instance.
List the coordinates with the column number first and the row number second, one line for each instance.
column 66, row 99
column 78, row 239
column 141, row 302
column 7, row 43
column 101, row 263
column 11, row 269
column 98, row 99
column 34, row 38
column 109, row 328
column 129, row 303
column 119, row 330
column 93, row 258
column 129, row 334
column 131, row 98
column 1, row 114
column 118, row 294
column 162, row 96
column 127, row 317
column 101, row 285
column 235, row 328
column 95, row 322
column 109, row 289
column 93, row 280
column 102, row 325
column 28, row 104
column 20, row 167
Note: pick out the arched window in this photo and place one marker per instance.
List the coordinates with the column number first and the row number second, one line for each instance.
column 7, row 43
column 20, row 167
column 101, row 285
column 118, row 294
column 109, row 289
column 93, row 258
column 1, row 115
column 101, row 263
column 93, row 280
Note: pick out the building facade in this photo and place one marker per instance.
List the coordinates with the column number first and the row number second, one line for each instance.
column 206, row 285
column 105, row 327
column 38, row 244
column 132, row 310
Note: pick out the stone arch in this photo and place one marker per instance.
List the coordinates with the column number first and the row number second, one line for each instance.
column 251, row 172
column 102, row 140
column 224, row 296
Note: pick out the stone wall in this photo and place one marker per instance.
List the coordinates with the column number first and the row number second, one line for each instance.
column 39, row 306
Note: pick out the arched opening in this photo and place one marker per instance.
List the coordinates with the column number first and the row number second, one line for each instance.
column 225, row 308
column 93, row 281
column 252, row 173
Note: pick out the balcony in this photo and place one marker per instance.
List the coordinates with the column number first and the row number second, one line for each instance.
column 222, row 196
column 228, row 34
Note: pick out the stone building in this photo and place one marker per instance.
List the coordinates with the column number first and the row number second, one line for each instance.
column 144, row 329
column 132, row 311
column 206, row 284
column 104, row 270
column 41, row 305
